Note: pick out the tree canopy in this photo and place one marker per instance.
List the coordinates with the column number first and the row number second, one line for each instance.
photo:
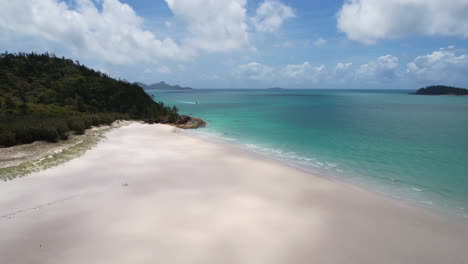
column 43, row 97
column 442, row 90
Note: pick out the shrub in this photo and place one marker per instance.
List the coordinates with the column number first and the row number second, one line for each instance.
column 62, row 130
column 95, row 120
column 78, row 125
column 25, row 134
column 49, row 134
column 7, row 138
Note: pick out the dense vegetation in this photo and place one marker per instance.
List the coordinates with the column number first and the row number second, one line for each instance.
column 43, row 97
column 442, row 90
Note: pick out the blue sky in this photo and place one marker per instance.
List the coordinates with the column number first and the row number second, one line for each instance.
column 392, row 44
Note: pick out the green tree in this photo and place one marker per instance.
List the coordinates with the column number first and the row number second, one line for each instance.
column 9, row 102
column 43, row 97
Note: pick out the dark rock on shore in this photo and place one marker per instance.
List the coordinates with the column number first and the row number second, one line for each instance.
column 187, row 122
column 183, row 121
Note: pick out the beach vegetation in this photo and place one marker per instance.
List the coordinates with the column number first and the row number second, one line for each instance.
column 44, row 97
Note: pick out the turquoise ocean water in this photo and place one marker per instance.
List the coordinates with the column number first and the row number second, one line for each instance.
column 411, row 147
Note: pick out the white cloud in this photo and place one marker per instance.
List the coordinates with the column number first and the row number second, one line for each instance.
column 342, row 73
column 159, row 69
column 441, row 65
column 297, row 73
column 181, row 67
column 270, row 16
column 214, row 26
column 370, row 20
column 163, row 69
column 383, row 69
column 212, row 77
column 111, row 32
column 340, row 66
column 303, row 72
column 444, row 65
column 320, row 42
column 254, row 71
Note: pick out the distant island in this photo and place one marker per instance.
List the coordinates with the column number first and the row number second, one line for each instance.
column 43, row 97
column 441, row 90
column 275, row 88
column 162, row 86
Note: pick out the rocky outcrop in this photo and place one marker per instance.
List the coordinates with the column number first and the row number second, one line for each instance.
column 183, row 121
column 188, row 122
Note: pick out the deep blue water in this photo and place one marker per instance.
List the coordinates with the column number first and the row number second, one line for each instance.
column 408, row 146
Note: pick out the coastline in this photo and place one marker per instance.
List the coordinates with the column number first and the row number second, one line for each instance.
column 338, row 176
column 184, row 199
column 21, row 160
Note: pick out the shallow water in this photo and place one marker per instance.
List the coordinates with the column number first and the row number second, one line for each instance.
column 411, row 147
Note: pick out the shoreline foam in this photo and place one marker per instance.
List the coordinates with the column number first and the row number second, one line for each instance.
column 405, row 192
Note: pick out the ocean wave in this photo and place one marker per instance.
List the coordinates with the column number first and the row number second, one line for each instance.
column 186, row 102
column 390, row 186
column 290, row 156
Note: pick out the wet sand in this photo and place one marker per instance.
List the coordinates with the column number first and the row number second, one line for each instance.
column 152, row 194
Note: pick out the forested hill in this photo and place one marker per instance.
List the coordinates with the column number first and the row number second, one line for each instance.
column 43, row 97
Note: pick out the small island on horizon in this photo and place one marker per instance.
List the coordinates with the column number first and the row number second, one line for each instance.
column 275, row 88
column 162, row 86
column 441, row 90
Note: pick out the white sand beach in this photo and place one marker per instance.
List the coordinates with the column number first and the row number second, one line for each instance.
column 152, row 194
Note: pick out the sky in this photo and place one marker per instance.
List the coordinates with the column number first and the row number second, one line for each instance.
column 332, row 44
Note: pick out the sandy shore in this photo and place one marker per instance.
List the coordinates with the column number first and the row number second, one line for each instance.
column 150, row 194
column 16, row 155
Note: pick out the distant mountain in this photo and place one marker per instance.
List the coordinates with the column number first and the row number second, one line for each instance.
column 162, row 86
column 441, row 90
